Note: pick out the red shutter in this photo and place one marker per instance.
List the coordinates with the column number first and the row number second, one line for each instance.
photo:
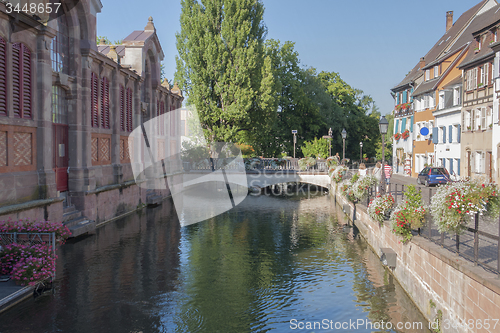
column 104, row 103
column 94, row 87
column 129, row 110
column 26, row 82
column 16, row 80
column 3, row 77
column 122, row 108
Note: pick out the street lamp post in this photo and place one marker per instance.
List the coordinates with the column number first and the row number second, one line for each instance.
column 294, row 132
column 361, row 152
column 330, row 142
column 344, row 136
column 329, row 137
column 383, row 125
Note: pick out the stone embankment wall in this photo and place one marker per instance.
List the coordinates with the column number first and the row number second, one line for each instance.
column 436, row 279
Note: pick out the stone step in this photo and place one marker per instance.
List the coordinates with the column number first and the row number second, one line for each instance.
column 154, row 200
column 69, row 209
column 84, row 226
column 71, row 215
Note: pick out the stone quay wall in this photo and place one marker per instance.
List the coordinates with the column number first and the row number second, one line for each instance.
column 436, row 279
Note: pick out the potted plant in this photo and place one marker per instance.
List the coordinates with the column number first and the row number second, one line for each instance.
column 455, row 204
column 379, row 207
column 409, row 214
column 469, row 128
column 397, row 136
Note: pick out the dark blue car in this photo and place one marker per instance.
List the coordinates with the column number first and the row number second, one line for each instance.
column 433, row 175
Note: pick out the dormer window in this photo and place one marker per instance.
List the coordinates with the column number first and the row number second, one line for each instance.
column 427, row 74
column 436, row 71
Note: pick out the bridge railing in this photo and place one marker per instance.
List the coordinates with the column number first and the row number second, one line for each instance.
column 291, row 164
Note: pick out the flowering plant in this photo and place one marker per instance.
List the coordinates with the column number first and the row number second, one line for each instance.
column 397, row 136
column 405, row 135
column 306, row 162
column 455, row 204
column 27, row 264
column 337, row 173
column 332, row 161
column 380, row 206
column 347, row 191
column 361, row 186
column 62, row 232
column 409, row 214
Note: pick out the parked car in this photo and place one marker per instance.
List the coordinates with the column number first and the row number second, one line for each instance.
column 433, row 175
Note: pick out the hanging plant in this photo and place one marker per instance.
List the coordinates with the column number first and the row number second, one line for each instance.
column 337, row 173
column 455, row 204
column 380, row 206
column 397, row 136
column 361, row 186
column 409, row 214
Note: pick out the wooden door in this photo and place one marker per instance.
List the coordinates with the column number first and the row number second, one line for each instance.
column 489, row 164
column 469, row 167
column 61, row 156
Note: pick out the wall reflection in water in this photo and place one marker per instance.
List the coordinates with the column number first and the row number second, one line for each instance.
column 252, row 269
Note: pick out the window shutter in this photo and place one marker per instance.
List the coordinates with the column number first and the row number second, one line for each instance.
column 450, row 134
column 104, row 102
column 444, row 134
column 403, row 125
column 122, row 108
column 483, row 118
column 94, row 92
column 16, row 80
column 411, row 95
column 451, row 165
column 396, row 130
column 404, row 96
column 411, row 124
column 26, row 57
column 458, row 167
column 3, row 77
column 459, row 133
column 435, row 135
column 129, row 110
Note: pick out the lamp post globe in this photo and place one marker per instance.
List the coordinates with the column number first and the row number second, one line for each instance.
column 344, row 136
column 383, row 125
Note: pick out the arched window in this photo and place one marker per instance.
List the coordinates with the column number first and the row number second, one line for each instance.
column 3, row 77
column 21, row 81
column 60, row 46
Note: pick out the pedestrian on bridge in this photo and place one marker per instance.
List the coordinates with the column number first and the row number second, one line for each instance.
column 377, row 173
column 387, row 174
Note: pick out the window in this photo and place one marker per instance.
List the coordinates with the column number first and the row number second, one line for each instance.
column 483, row 118
column 436, row 71
column 3, row 77
column 480, row 157
column 427, row 74
column 481, row 76
column 489, row 118
column 104, row 102
column 59, row 105
column 486, row 70
column 21, row 80
column 94, row 95
column 456, row 96
column 123, row 114
column 471, row 82
column 441, row 99
column 60, row 46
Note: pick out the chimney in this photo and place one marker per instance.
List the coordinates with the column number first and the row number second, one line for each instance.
column 422, row 62
column 449, row 20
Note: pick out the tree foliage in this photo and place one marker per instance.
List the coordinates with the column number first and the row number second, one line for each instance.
column 223, row 68
column 316, row 148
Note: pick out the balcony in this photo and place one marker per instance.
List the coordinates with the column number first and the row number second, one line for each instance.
column 402, row 110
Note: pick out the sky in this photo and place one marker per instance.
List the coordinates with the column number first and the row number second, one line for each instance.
column 371, row 44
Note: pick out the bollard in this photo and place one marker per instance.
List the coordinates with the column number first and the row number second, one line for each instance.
column 476, row 238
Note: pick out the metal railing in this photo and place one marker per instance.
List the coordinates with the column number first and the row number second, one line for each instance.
column 254, row 164
column 30, row 239
column 479, row 242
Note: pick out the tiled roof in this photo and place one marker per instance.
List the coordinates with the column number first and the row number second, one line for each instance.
column 425, row 86
column 482, row 21
column 104, row 49
column 138, row 36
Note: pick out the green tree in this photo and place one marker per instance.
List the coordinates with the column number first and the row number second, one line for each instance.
column 223, row 69
column 387, row 139
column 316, row 148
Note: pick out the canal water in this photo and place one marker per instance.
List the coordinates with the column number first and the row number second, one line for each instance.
column 271, row 264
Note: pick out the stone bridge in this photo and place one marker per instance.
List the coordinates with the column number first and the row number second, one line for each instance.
column 257, row 178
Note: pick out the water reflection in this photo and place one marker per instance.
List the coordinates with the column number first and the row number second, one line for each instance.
column 252, row 269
